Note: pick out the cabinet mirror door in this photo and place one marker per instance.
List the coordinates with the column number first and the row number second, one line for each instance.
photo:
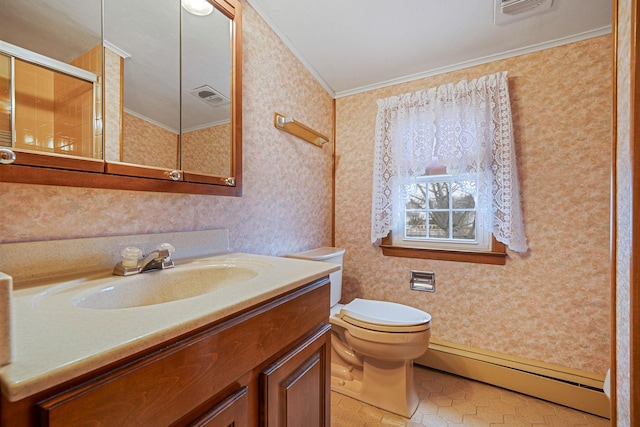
column 50, row 83
column 142, row 85
column 174, row 86
column 122, row 89
column 206, row 94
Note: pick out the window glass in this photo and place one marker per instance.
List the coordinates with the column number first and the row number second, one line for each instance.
column 440, row 213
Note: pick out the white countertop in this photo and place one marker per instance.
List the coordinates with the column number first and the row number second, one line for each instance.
column 55, row 341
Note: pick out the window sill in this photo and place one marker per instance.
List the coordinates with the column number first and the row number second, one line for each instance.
column 496, row 256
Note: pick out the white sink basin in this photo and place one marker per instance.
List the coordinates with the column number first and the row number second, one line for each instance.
column 157, row 287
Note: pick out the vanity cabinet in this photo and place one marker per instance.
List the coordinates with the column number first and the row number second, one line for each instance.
column 266, row 366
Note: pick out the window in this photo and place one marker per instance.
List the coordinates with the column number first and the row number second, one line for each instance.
column 445, row 184
column 440, row 213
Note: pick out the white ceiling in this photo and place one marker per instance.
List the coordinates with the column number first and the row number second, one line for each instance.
column 348, row 45
column 356, row 45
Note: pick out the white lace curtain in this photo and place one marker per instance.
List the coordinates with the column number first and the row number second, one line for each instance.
column 467, row 128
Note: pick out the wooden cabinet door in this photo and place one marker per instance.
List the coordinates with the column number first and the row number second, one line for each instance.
column 295, row 390
column 230, row 412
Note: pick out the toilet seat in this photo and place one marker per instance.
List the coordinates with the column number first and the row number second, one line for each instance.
column 384, row 316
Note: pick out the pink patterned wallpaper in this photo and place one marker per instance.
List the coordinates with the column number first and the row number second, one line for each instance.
column 145, row 143
column 552, row 304
column 207, row 150
column 112, row 132
column 286, row 203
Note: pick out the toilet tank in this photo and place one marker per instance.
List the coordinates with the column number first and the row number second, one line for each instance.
column 327, row 254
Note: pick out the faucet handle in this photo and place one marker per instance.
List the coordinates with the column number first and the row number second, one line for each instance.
column 168, row 247
column 130, row 256
column 130, row 263
column 165, row 250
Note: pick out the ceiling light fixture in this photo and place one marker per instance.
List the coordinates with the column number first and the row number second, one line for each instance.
column 197, row 7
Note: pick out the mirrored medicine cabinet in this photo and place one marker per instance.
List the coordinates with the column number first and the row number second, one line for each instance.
column 142, row 95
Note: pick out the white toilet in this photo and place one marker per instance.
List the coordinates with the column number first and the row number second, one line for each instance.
column 373, row 344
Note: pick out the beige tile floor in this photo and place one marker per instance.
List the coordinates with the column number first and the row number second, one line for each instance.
column 451, row 401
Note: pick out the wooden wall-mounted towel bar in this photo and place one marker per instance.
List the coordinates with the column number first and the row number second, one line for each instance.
column 298, row 129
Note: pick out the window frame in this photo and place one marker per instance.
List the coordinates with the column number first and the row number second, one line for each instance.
column 491, row 252
column 497, row 255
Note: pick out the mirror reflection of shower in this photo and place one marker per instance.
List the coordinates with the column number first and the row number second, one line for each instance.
column 47, row 105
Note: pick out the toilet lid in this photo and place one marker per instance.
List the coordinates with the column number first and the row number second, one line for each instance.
column 384, row 313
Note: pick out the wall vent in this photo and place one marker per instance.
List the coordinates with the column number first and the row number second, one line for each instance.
column 209, row 95
column 507, row 11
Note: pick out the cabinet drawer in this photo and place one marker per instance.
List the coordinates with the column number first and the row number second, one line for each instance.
column 162, row 387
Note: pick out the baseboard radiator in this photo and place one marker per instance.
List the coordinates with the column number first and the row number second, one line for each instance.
column 565, row 386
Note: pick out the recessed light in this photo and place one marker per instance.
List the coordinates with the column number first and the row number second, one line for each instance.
column 197, row 7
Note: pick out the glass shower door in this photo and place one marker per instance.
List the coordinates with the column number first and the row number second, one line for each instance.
column 6, row 101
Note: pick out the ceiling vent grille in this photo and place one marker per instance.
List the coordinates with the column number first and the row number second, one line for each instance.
column 513, row 10
column 209, row 95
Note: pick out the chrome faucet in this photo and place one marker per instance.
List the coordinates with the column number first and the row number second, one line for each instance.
column 133, row 262
column 156, row 260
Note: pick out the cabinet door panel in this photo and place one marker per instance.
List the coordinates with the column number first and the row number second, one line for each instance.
column 295, row 389
column 231, row 412
column 301, row 393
